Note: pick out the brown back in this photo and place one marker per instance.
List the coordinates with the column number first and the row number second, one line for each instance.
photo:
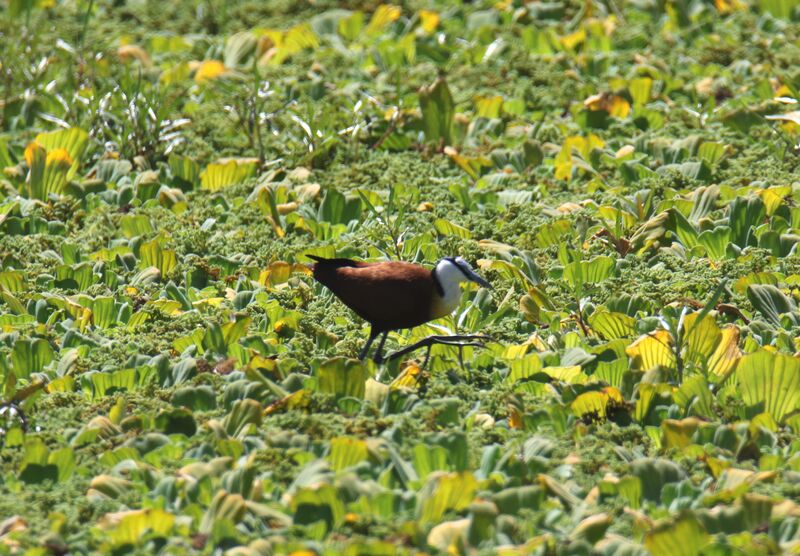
column 388, row 295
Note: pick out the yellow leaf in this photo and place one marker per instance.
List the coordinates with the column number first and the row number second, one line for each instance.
column 590, row 404
column 727, row 353
column 225, row 173
column 408, row 378
column 443, row 492
column 574, row 39
column 515, row 351
column 59, row 157
column 584, row 146
column 619, row 107
column 728, row 6
column 514, row 418
column 488, row 107
column 571, row 375
column 678, row 433
column 296, row 400
column 615, row 105
column 208, row 70
column 652, row 350
column 773, row 197
column 429, row 20
column 31, row 152
column 383, row 16
column 276, row 273
column 167, row 306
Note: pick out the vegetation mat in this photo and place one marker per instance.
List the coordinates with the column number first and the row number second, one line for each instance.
column 623, row 172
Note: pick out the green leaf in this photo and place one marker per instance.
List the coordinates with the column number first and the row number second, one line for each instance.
column 98, row 384
column 692, row 170
column 131, row 526
column 337, row 209
column 343, row 377
column 511, row 500
column 769, row 382
column 30, row 356
column 12, row 281
column 770, row 278
column 686, row 232
column 745, row 214
column 185, row 169
column 64, row 460
column 639, row 89
column 443, row 492
column 134, row 225
column 694, row 396
column 265, row 198
column 711, row 152
column 523, row 368
column 49, row 171
column 715, row 242
column 682, row 536
column 243, row 418
column 153, row 255
column 318, row 503
column 782, row 9
column 590, row 405
column 345, row 452
column 612, row 325
column 196, row 398
column 701, row 337
column 553, row 233
column 612, row 372
column 438, row 111
column 104, row 312
column 447, row 228
column 655, row 474
column 770, row 302
column 428, row 459
column 580, row 274
column 350, row 27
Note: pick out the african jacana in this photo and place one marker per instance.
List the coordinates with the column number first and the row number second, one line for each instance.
column 394, row 295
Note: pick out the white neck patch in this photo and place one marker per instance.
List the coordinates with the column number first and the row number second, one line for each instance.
column 449, row 276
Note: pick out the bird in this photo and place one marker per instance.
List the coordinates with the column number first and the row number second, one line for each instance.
column 394, row 295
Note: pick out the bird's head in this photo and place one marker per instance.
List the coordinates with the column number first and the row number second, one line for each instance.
column 451, row 271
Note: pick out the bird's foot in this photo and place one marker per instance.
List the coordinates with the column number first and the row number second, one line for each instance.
column 466, row 340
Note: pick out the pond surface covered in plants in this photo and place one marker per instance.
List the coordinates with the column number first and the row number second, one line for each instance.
column 623, row 173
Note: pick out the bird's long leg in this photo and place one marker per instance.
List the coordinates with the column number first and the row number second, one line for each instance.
column 372, row 335
column 377, row 357
column 474, row 340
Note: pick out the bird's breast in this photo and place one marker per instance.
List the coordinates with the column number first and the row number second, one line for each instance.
column 443, row 306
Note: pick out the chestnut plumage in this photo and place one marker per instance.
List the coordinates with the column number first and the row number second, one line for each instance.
column 394, row 295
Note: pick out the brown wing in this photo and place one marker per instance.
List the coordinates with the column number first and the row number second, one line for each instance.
column 388, row 295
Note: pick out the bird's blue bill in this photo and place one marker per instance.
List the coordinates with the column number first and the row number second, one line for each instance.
column 472, row 275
